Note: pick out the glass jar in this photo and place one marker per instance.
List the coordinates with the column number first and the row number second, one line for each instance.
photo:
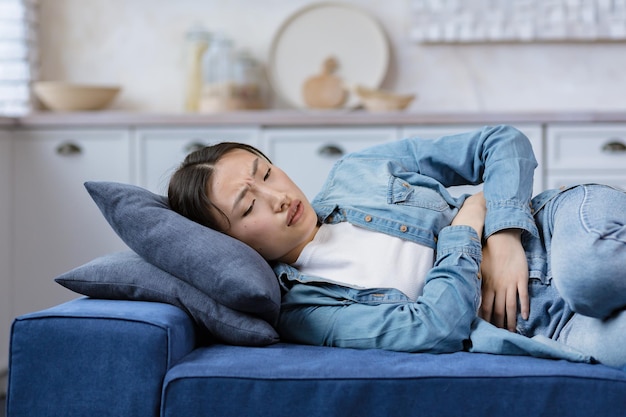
column 250, row 86
column 231, row 80
column 197, row 40
column 218, row 76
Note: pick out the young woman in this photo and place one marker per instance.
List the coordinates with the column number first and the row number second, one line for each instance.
column 384, row 257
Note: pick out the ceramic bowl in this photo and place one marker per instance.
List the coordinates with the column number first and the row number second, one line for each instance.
column 63, row 96
column 380, row 100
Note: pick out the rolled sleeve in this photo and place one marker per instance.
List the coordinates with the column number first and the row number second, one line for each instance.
column 459, row 239
column 509, row 215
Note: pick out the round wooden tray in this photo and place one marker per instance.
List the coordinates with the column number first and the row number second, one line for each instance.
column 314, row 33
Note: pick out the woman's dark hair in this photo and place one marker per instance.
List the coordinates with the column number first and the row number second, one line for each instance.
column 188, row 191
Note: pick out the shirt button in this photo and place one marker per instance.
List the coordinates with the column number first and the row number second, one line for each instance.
column 405, row 185
column 403, row 228
column 368, row 218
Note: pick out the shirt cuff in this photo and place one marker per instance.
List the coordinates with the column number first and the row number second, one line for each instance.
column 509, row 215
column 459, row 239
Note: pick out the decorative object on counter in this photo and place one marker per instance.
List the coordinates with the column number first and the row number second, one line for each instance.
column 381, row 100
column 18, row 55
column 63, row 96
column 231, row 80
column 318, row 31
column 326, row 90
column 197, row 39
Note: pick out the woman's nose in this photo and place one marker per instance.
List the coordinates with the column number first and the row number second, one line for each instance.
column 277, row 199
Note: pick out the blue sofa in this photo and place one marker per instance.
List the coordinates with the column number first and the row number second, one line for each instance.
column 95, row 357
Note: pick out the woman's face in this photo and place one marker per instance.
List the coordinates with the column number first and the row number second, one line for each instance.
column 265, row 208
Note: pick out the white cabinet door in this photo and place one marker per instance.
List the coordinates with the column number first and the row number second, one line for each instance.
column 307, row 155
column 56, row 224
column 5, row 248
column 534, row 133
column 161, row 151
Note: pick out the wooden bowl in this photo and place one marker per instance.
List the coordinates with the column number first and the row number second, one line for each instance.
column 380, row 100
column 62, row 96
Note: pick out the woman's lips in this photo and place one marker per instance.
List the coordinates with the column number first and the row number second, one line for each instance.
column 295, row 212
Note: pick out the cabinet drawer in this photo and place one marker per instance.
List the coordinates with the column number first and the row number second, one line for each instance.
column 71, row 157
column 582, row 148
column 162, row 150
column 60, row 142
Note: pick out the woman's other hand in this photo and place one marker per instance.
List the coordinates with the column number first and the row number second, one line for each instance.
column 504, row 271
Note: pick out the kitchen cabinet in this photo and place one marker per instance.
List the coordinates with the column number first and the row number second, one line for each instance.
column 160, row 151
column 5, row 246
column 56, row 225
column 586, row 153
column 308, row 154
column 534, row 132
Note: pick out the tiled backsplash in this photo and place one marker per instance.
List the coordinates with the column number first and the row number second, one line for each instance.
column 518, row 20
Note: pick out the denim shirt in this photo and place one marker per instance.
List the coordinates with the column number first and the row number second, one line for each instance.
column 399, row 188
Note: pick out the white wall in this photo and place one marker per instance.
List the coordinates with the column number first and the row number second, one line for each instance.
column 139, row 44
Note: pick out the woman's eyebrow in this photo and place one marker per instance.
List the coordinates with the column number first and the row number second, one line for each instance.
column 242, row 193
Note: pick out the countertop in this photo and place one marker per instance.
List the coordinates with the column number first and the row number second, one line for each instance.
column 298, row 118
column 7, row 121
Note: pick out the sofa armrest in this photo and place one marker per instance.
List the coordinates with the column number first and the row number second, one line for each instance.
column 95, row 357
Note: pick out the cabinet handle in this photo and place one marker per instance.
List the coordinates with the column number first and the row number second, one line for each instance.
column 194, row 146
column 330, row 151
column 614, row 146
column 69, row 149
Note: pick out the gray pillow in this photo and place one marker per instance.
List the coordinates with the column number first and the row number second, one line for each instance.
column 227, row 270
column 127, row 276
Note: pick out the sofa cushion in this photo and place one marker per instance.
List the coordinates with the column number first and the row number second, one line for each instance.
column 127, row 276
column 326, row 382
column 227, row 270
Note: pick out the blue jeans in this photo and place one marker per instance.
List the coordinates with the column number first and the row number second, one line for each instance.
column 587, row 252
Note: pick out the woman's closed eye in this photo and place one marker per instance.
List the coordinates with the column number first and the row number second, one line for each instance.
column 249, row 210
column 267, row 174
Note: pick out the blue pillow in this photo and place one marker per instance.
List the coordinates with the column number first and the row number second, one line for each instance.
column 127, row 276
column 227, row 270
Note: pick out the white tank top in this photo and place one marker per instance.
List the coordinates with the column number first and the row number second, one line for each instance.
column 359, row 258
